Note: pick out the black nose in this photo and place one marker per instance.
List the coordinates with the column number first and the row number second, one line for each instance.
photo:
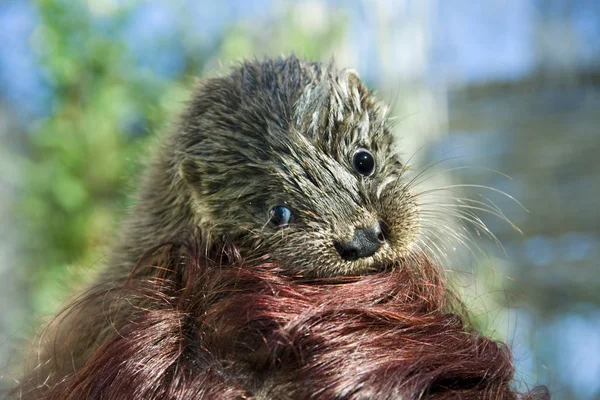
column 365, row 243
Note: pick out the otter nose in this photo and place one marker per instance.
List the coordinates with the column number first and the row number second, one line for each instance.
column 365, row 243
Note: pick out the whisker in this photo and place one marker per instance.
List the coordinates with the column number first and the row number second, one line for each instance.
column 482, row 209
column 410, row 183
column 469, row 218
column 466, row 185
column 464, row 238
column 462, row 168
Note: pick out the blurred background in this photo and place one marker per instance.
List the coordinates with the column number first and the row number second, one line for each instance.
column 492, row 85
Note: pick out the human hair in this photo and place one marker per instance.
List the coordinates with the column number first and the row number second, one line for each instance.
column 201, row 324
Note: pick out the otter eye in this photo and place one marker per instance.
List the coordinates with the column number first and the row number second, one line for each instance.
column 363, row 162
column 280, row 216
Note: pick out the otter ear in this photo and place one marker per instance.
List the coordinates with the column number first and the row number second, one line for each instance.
column 188, row 170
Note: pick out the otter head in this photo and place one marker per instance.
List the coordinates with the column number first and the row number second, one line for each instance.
column 294, row 162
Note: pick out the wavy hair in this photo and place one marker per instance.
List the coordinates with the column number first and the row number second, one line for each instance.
column 213, row 328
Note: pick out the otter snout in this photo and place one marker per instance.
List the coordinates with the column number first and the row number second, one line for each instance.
column 365, row 243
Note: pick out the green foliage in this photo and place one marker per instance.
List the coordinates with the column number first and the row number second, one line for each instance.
column 84, row 158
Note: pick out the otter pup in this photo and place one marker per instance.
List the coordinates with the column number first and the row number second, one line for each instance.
column 303, row 279
column 290, row 160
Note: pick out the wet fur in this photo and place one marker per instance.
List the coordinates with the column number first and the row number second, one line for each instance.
column 275, row 132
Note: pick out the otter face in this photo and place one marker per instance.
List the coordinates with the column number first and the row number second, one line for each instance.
column 294, row 163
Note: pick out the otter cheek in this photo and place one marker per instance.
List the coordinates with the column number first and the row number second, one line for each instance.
column 399, row 219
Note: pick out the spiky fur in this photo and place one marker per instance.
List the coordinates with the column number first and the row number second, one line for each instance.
column 275, row 132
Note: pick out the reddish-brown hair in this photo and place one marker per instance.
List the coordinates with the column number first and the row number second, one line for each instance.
column 216, row 329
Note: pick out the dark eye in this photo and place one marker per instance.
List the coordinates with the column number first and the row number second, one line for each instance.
column 280, row 216
column 363, row 162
